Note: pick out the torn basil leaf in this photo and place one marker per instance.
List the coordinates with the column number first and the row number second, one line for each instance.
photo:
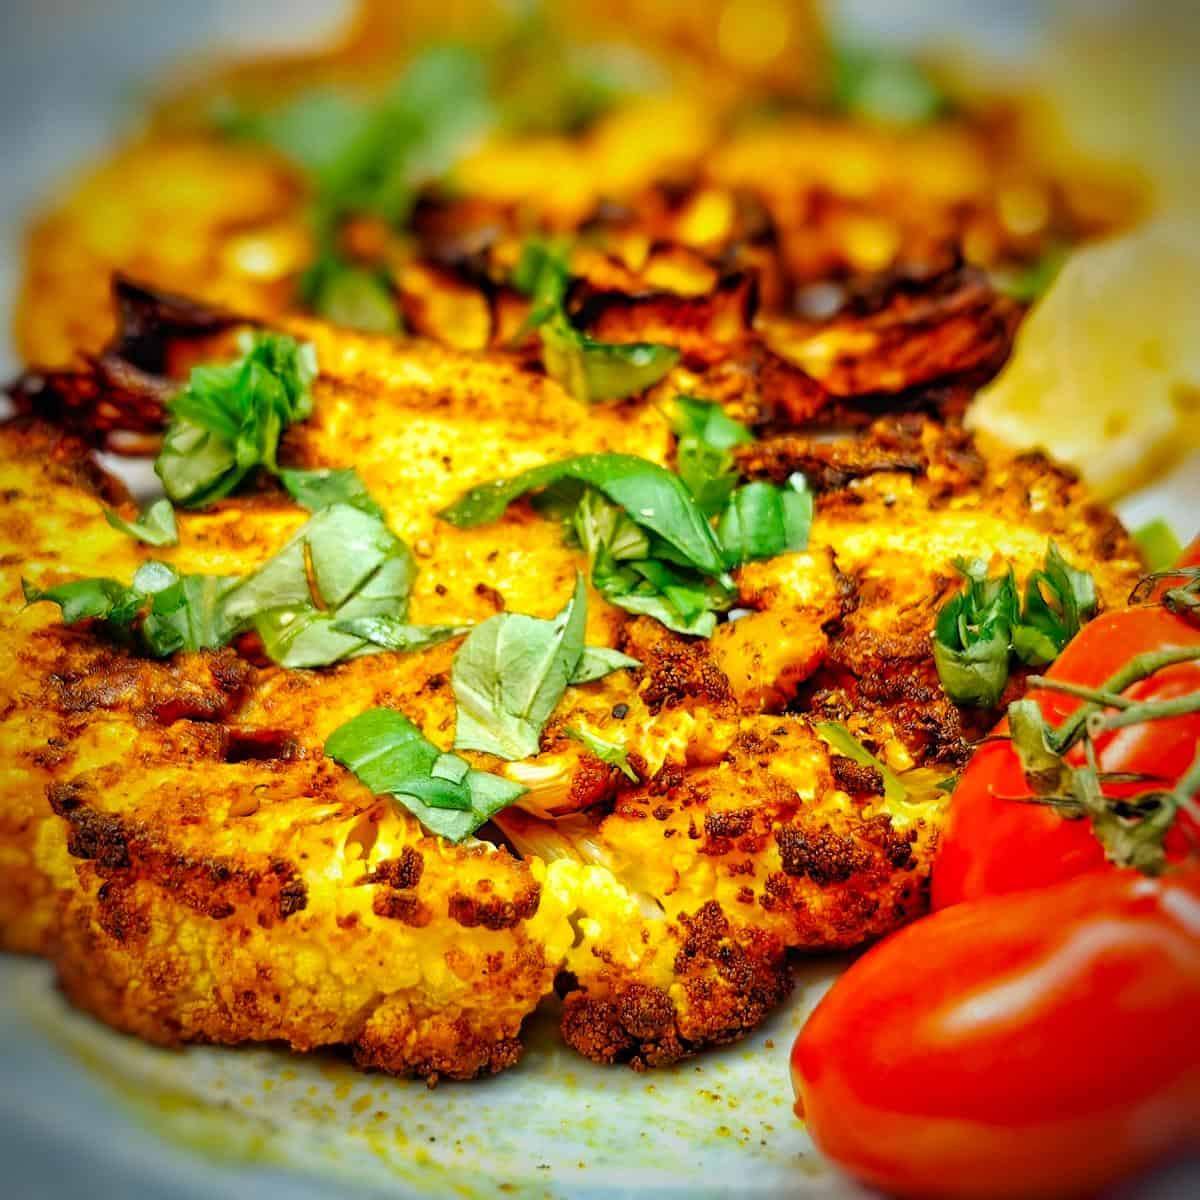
column 391, row 757
column 154, row 527
column 228, row 418
column 588, row 369
column 677, row 597
column 598, row 661
column 612, row 753
column 326, row 486
column 89, row 599
column 884, row 87
column 510, row 674
column 390, row 633
column 1059, row 599
column 181, row 612
column 342, row 564
column 651, row 496
column 840, row 739
column 704, row 451
column 542, row 273
column 187, row 612
column 371, row 158
column 973, row 635
column 354, row 296
column 978, row 630
column 762, row 521
column 592, row 370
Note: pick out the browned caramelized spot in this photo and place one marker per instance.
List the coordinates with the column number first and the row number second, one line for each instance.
column 823, row 856
column 466, row 1055
column 401, row 906
column 494, row 912
column 400, row 873
column 731, row 979
column 91, row 675
column 215, row 886
column 859, row 779
column 705, row 328
column 676, row 670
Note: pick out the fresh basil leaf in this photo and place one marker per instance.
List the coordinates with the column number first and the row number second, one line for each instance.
column 187, row 612
column 708, row 422
column 704, row 451
column 510, row 674
column 762, row 521
column 679, row 599
column 838, row 737
column 326, row 486
column 1059, row 599
column 357, row 297
column 343, row 564
column 155, row 527
column 1159, row 546
column 389, row 633
column 89, row 599
column 612, row 753
column 604, row 527
column 542, row 273
column 592, row 370
column 884, row 87
column 973, row 636
column 652, row 496
column 371, row 158
column 228, row 418
column 391, row 756
column 1027, row 283
column 598, row 661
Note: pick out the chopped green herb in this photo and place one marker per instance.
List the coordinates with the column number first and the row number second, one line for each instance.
column 542, row 273
column 155, row 527
column 973, row 636
column 1159, row 546
column 389, row 633
column 1058, row 600
column 762, row 520
column 342, row 565
column 612, row 753
column 704, row 451
column 89, row 599
column 884, row 87
column 839, row 738
column 392, row 757
column 228, row 418
column 354, row 296
column 1027, row 283
column 370, row 159
column 598, row 661
column 510, row 674
column 651, row 496
column 592, row 370
column 980, row 629
column 326, row 486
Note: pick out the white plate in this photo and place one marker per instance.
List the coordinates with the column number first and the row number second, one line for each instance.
column 88, row 1112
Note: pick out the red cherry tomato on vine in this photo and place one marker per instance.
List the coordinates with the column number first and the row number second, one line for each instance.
column 1035, row 1045
column 993, row 843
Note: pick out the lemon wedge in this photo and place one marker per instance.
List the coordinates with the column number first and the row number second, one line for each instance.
column 1105, row 374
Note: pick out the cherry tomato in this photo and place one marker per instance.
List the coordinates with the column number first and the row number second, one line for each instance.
column 993, row 843
column 1033, row 1045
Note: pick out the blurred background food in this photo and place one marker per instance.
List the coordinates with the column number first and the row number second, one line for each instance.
column 884, row 144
